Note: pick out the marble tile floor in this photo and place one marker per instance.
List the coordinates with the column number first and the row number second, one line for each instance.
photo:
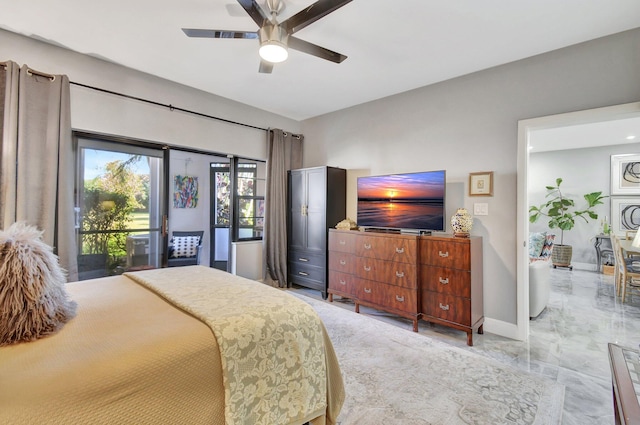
column 568, row 340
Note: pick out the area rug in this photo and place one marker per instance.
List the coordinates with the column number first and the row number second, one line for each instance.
column 395, row 376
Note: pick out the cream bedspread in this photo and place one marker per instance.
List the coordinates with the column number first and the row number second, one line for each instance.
column 271, row 345
column 128, row 357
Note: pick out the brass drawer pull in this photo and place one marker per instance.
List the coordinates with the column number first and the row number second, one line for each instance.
column 341, row 242
column 399, row 298
column 343, row 263
column 343, row 282
column 303, row 274
column 367, row 246
column 444, row 307
column 399, row 274
column 368, row 291
column 367, row 268
column 444, row 281
column 443, row 254
column 304, row 260
column 400, row 250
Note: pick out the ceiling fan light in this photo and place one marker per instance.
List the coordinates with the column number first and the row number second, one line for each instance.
column 273, row 44
column 273, row 52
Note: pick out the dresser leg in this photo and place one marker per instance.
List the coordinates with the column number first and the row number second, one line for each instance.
column 330, row 297
column 357, row 308
column 415, row 325
column 481, row 329
column 470, row 338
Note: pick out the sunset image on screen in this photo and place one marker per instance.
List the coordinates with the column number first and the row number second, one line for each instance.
column 412, row 200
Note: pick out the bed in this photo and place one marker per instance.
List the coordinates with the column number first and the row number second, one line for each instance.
column 138, row 352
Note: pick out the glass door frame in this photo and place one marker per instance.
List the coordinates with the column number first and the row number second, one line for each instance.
column 158, row 216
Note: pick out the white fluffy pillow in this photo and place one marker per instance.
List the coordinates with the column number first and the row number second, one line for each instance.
column 33, row 300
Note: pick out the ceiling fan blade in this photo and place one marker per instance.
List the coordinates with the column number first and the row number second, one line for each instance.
column 194, row 32
column 315, row 50
column 255, row 11
column 311, row 14
column 265, row 67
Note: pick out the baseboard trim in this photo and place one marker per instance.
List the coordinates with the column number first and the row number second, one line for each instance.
column 499, row 327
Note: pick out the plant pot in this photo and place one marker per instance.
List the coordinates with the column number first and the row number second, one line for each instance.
column 561, row 255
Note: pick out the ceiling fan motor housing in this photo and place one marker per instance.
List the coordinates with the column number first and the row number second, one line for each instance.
column 273, row 43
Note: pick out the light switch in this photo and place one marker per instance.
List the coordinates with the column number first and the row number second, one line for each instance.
column 480, row 209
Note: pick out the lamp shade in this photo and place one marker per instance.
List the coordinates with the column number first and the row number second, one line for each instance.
column 273, row 44
column 636, row 240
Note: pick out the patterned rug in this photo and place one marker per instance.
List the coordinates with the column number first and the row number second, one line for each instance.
column 395, row 376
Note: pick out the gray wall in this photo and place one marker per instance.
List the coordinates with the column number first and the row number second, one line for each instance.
column 582, row 171
column 469, row 124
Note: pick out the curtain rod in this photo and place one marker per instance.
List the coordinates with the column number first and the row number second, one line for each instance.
column 171, row 107
column 42, row 74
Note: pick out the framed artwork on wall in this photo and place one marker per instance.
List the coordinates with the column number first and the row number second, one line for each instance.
column 625, row 174
column 625, row 214
column 185, row 191
column 481, row 183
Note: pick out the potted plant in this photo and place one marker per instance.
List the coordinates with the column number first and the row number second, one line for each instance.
column 562, row 214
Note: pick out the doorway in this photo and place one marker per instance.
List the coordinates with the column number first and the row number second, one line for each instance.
column 237, row 208
column 526, row 131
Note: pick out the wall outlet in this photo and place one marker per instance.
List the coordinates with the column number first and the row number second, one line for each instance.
column 480, row 209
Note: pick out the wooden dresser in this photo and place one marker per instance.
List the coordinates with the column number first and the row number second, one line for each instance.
column 436, row 278
column 378, row 270
column 451, row 282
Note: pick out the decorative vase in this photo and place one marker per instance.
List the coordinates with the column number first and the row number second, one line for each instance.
column 461, row 223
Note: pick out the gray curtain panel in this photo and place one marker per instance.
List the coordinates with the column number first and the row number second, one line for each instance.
column 37, row 171
column 284, row 153
column 9, row 74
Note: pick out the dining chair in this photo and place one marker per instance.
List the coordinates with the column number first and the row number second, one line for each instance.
column 625, row 278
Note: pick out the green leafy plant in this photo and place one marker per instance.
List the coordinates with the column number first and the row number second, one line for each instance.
column 562, row 211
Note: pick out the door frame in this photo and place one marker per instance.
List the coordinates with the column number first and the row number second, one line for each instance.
column 525, row 130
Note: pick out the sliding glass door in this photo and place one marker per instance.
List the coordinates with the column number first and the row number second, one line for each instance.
column 120, row 204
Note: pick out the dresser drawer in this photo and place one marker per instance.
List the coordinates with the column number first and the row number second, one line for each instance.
column 446, row 307
column 306, row 272
column 388, row 296
column 306, row 258
column 342, row 262
column 443, row 253
column 394, row 248
column 446, row 281
column 390, row 272
column 342, row 241
column 342, row 283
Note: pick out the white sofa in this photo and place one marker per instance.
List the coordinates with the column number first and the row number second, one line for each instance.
column 539, row 274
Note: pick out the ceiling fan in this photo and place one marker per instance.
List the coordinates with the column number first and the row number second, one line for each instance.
column 277, row 37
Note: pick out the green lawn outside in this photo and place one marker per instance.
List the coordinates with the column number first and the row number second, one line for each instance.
column 139, row 220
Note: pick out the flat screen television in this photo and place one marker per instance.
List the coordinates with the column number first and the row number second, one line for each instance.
column 409, row 202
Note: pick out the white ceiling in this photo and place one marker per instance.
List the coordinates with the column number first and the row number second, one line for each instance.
column 391, row 46
column 607, row 132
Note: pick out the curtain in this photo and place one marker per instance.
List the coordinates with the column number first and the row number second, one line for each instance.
column 37, row 171
column 284, row 153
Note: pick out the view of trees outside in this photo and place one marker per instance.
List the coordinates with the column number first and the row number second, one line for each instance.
column 115, row 203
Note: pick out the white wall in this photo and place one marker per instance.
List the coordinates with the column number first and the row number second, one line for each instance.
column 582, row 171
column 470, row 124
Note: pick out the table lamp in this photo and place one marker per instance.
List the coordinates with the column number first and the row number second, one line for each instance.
column 636, row 240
